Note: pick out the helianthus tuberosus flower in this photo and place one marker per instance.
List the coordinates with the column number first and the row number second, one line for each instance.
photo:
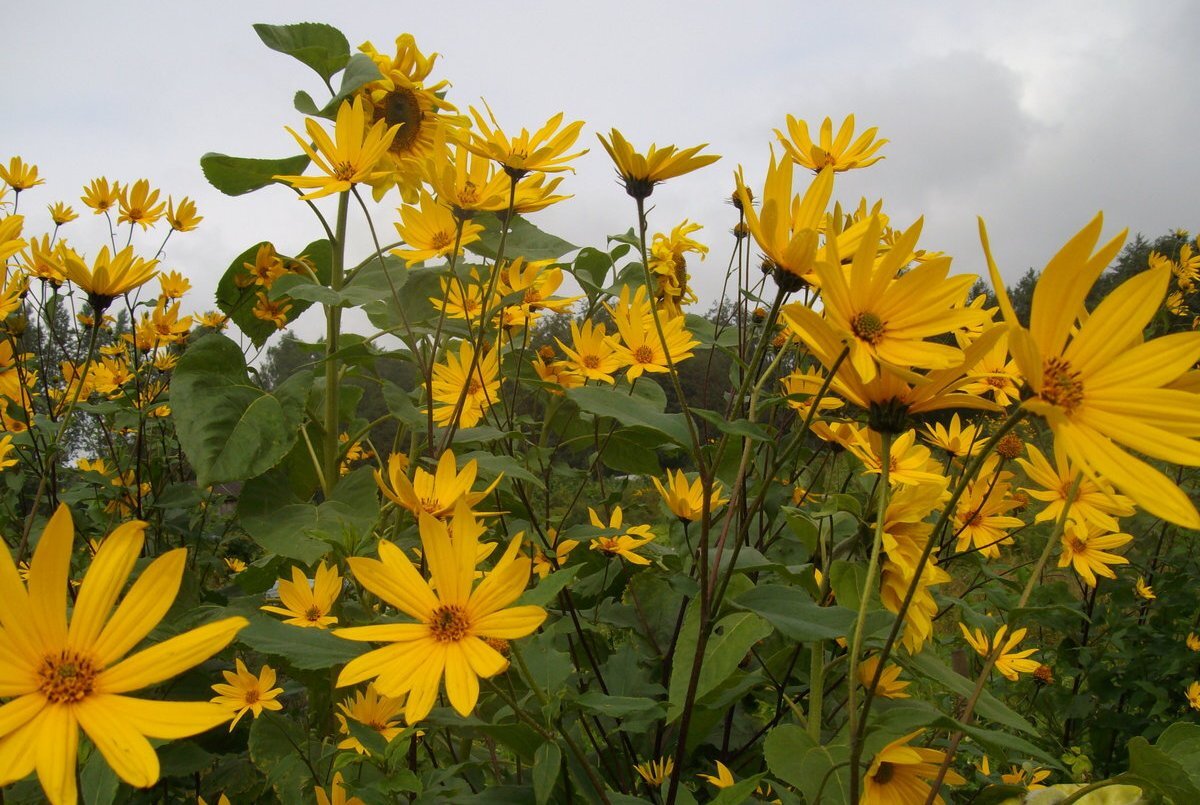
column 19, row 175
column 1086, row 548
column 348, row 158
column 1193, row 695
column 624, row 544
column 955, row 439
column 641, row 172
column 101, row 196
column 899, row 773
column 686, row 500
column 308, row 603
column 140, row 205
column 1029, row 779
column 560, row 550
column 109, row 276
column 246, row 692
column 1193, row 641
column 463, row 387
column 544, row 150
column 272, row 310
column 890, row 685
column 592, row 353
column 1010, row 663
column 380, row 713
column 61, row 676
column 183, row 218
column 656, row 772
column 7, row 459
column 61, row 213
column 1144, row 590
column 787, row 229
column 1094, row 502
column 431, row 230
column 434, row 493
column 173, row 285
column 641, row 347
column 452, row 617
column 838, row 153
column 1101, row 387
column 337, row 793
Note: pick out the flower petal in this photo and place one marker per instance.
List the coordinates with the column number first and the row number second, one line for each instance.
column 103, row 582
column 142, row 608
column 508, row 624
column 169, row 658
column 503, row 585
column 124, row 748
column 48, row 574
column 425, row 684
column 20, row 711
column 462, row 686
column 164, row 720
column 56, row 751
column 17, row 755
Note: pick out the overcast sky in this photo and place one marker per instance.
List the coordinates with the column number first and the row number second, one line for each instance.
column 1034, row 115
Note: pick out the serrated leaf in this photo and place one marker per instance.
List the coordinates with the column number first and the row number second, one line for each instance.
column 229, row 428
column 322, row 47
column 524, row 240
column 236, row 176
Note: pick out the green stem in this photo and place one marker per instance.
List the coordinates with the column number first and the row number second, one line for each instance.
column 333, row 326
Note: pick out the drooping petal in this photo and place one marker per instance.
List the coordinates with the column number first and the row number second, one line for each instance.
column 56, row 752
column 462, row 686
column 169, row 658
column 105, row 578
column 142, row 608
column 17, row 752
column 124, row 748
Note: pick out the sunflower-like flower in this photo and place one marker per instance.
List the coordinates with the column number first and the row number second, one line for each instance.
column 173, row 285
column 347, row 159
column 592, row 353
column 380, row 713
column 536, row 281
column 19, row 175
column 624, row 544
column 838, row 153
column 908, row 462
column 453, row 617
column 1193, row 641
column 182, row 218
column 101, row 196
column 1010, row 663
column 461, row 394
column 6, row 452
column 1193, row 695
column 981, row 518
column 544, row 150
column 1101, row 387
column 465, row 182
column 560, row 550
column 641, row 172
column 337, row 793
column 140, row 205
column 656, row 772
column 641, row 347
column 686, row 499
column 1143, row 590
column 890, row 685
column 109, row 276
column 273, row 310
column 431, row 230
column 247, row 693
column 11, row 241
column 1086, row 548
column 1094, row 502
column 435, row 494
column 60, row 676
column 787, row 229
column 308, row 603
column 955, row 439
column 899, row 773
column 61, row 213
column 42, row 260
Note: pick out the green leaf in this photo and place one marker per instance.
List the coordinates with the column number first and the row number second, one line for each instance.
column 742, row 428
column 988, row 707
column 375, row 744
column 817, row 771
column 322, row 47
column 236, row 176
column 549, row 587
column 98, row 782
column 492, row 465
column 305, row 649
column 237, row 302
column 631, row 450
column 229, row 428
column 728, row 644
column 360, row 69
column 400, row 405
column 275, row 745
column 737, row 793
column 590, row 268
column 620, row 706
column 795, row 615
column 546, row 764
column 1171, row 766
column 630, row 410
column 524, row 240
column 847, row 580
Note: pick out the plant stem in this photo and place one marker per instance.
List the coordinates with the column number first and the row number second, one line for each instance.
column 333, row 327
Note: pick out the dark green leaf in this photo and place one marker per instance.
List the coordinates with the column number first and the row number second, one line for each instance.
column 546, row 763
column 629, row 410
column 1171, row 766
column 620, row 706
column 305, row 649
column 795, row 615
column 322, row 47
column 98, row 782
column 988, row 707
column 524, row 240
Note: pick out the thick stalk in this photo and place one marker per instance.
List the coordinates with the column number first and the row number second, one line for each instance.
column 333, row 327
column 857, row 734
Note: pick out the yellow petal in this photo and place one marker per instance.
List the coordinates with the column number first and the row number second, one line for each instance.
column 20, row 711
column 124, row 748
column 142, row 608
column 1118, row 321
column 17, row 675
column 169, row 658
column 462, row 686
column 509, row 624
column 55, row 754
column 485, row 661
column 425, row 685
column 503, row 585
column 48, row 574
column 17, row 755
column 451, row 580
column 385, row 632
column 103, row 582
column 165, row 720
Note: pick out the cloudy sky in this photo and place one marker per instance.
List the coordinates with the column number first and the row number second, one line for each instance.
column 1032, row 114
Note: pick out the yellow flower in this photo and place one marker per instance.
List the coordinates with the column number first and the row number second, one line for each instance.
column 536, row 281
column 909, row 462
column 837, row 152
column 266, row 268
column 213, row 319
column 436, row 494
column 61, row 676
column 1193, row 641
column 431, row 230
column 1100, row 387
column 1008, row 662
column 786, row 228
column 1085, row 547
column 593, row 355
column 6, row 452
column 375, row 711
column 561, row 550
column 641, row 172
column 61, row 214
column 453, row 617
column 800, row 388
column 234, row 564
column 101, row 196
column 655, row 772
column 246, row 692
column 980, row 518
column 541, row 151
column 165, row 322
column 140, row 205
column 1144, row 590
column 348, row 159
column 722, row 779
column 624, row 544
column 1193, row 695
column 43, row 261
column 477, row 389
column 20, row 176
column 11, row 241
column 890, row 686
column 954, row 438
column 183, row 218
column 465, row 182
column 460, row 299
column 173, row 285
column 668, row 265
column 275, row 311
column 109, row 276
column 221, row 800
column 1095, row 502
column 559, row 373
column 640, row 347
column 307, row 603
column 337, row 794
column 899, row 774
column 995, row 374
column 686, row 500
column 1030, row 779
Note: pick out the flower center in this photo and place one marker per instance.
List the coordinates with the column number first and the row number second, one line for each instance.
column 401, row 106
column 1075, row 544
column 251, row 696
column 884, row 774
column 67, row 676
column 591, row 361
column 1061, row 386
column 449, row 624
column 469, row 194
column 473, row 387
column 343, row 171
column 313, row 614
column 643, row 354
column 441, row 240
column 868, row 327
